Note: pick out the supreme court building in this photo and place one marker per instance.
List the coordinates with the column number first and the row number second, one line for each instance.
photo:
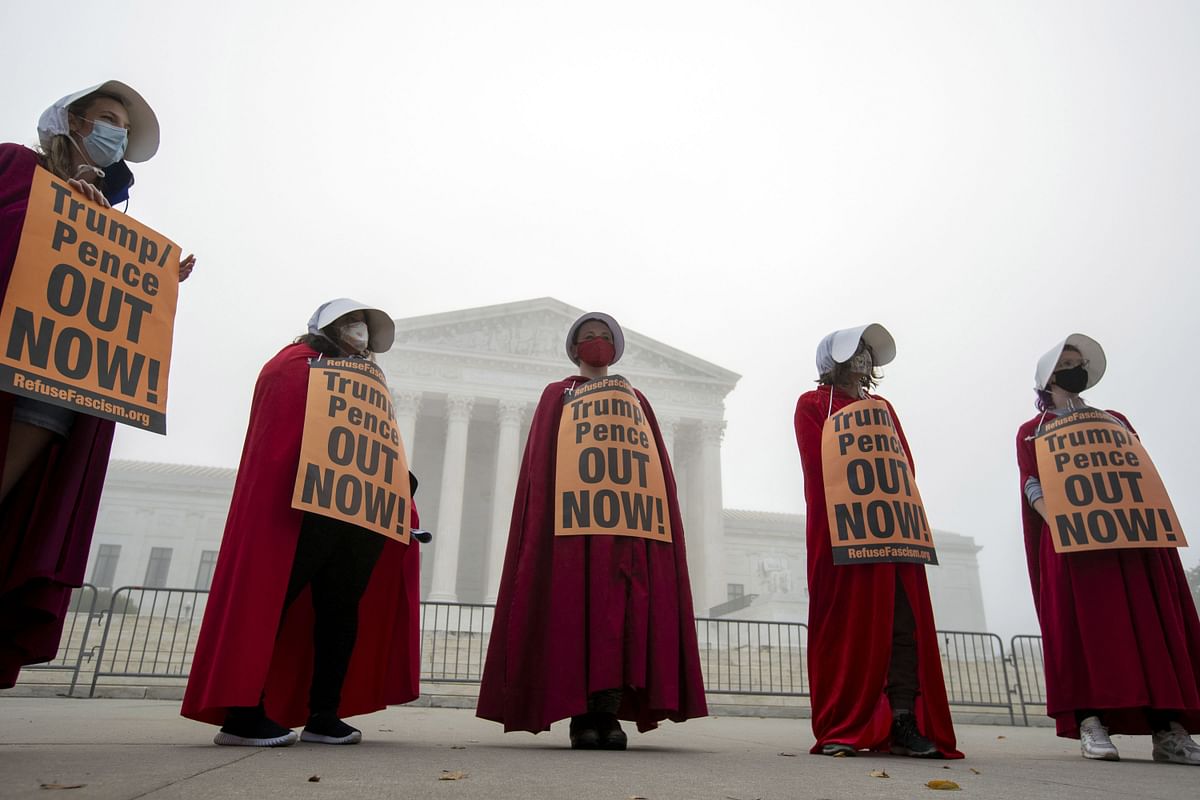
column 465, row 384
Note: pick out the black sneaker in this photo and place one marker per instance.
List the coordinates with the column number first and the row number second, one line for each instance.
column 252, row 728
column 328, row 729
column 583, row 732
column 838, row 750
column 908, row 741
column 608, row 730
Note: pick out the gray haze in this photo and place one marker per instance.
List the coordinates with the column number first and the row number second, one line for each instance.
column 735, row 179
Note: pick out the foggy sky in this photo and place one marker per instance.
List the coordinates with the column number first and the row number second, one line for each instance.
column 735, row 179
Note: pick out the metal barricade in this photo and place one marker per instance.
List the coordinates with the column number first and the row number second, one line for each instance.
column 753, row 657
column 454, row 639
column 1029, row 664
column 73, row 646
column 149, row 633
column 976, row 670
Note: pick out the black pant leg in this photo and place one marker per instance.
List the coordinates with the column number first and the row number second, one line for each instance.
column 902, row 671
column 337, row 589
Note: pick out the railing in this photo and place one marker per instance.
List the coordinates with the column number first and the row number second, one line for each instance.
column 751, row 657
column 72, row 648
column 151, row 634
column 976, row 670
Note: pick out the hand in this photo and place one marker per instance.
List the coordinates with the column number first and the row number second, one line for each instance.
column 90, row 192
column 185, row 267
column 1039, row 506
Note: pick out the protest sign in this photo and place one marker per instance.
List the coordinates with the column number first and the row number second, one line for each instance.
column 89, row 313
column 1100, row 488
column 875, row 511
column 352, row 461
column 608, row 477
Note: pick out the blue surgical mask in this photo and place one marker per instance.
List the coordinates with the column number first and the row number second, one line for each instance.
column 105, row 145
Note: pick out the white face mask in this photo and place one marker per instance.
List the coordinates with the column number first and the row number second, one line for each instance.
column 355, row 335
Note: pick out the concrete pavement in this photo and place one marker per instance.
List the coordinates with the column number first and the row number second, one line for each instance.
column 142, row 749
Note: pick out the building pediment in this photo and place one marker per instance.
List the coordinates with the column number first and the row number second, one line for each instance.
column 531, row 332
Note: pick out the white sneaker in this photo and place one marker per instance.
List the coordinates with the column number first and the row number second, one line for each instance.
column 1175, row 746
column 1094, row 741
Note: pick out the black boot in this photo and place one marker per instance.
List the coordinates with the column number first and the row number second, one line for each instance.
column 608, row 729
column 908, row 741
column 583, row 732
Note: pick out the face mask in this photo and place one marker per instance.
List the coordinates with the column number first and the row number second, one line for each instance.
column 861, row 363
column 355, row 335
column 1073, row 380
column 106, row 143
column 596, row 352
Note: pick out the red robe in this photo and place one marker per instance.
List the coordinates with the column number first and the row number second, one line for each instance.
column 47, row 521
column 243, row 647
column 580, row 614
column 850, row 613
column 1119, row 628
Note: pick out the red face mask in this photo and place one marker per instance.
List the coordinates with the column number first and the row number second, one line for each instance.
column 596, row 352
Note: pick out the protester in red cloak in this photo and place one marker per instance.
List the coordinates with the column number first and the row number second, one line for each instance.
column 873, row 660
column 262, row 659
column 589, row 627
column 54, row 458
column 1120, row 635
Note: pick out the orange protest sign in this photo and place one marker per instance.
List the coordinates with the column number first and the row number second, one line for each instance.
column 1100, row 487
column 352, row 462
column 89, row 314
column 608, row 476
column 875, row 511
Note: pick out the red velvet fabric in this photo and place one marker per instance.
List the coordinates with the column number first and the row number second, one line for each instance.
column 1120, row 633
column 243, row 647
column 581, row 614
column 850, row 613
column 47, row 521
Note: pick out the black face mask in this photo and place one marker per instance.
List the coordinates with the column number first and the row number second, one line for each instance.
column 1073, row 380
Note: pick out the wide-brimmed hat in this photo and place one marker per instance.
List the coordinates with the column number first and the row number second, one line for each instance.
column 143, row 124
column 840, row 346
column 1089, row 349
column 381, row 328
column 617, row 334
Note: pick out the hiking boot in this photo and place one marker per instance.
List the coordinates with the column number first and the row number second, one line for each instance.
column 250, row 727
column 608, row 730
column 583, row 732
column 1175, row 746
column 1094, row 741
column 328, row 729
column 908, row 741
column 838, row 749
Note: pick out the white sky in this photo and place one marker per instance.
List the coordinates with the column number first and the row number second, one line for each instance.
column 735, row 179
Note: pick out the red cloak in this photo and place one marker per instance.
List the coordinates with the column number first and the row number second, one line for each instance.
column 1120, row 633
column 244, row 649
column 47, row 521
column 850, row 613
column 580, row 614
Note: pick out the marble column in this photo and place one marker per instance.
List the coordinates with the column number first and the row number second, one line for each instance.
column 508, row 467
column 443, row 587
column 408, row 407
column 667, row 427
column 712, row 520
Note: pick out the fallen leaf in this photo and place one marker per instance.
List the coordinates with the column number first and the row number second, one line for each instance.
column 314, row 779
column 878, row 773
column 788, row 755
column 386, row 730
column 63, row 785
column 1001, row 737
column 945, row 768
column 977, row 772
column 447, row 775
column 636, row 797
column 949, row 786
column 840, row 754
column 458, row 747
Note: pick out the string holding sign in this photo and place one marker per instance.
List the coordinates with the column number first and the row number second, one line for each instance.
column 609, row 477
column 89, row 314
